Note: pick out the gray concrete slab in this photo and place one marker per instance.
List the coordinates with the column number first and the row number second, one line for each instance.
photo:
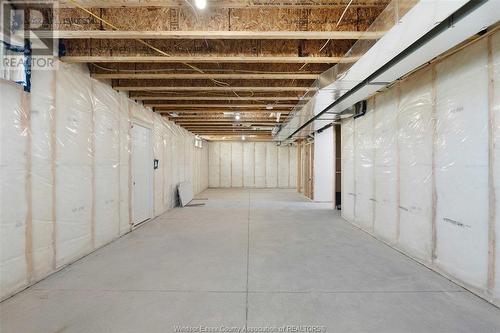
column 260, row 257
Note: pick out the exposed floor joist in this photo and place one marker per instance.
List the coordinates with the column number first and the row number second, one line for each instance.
column 221, row 76
column 204, row 112
column 214, row 98
column 207, row 59
column 254, row 106
column 207, row 88
column 240, row 35
column 255, row 58
column 232, row 3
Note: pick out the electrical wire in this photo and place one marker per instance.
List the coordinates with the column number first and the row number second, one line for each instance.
column 74, row 2
column 234, row 71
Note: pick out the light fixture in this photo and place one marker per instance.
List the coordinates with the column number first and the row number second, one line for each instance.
column 269, row 107
column 237, row 116
column 200, row 4
column 243, row 138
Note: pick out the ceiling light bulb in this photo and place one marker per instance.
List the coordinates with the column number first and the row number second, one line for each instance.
column 200, row 4
column 237, row 117
column 243, row 138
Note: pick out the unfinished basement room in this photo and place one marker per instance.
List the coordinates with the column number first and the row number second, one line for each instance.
column 250, row 166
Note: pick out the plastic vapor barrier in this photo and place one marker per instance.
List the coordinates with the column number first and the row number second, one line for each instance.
column 415, row 142
column 248, row 165
column 324, row 165
column 42, row 173
column 107, row 161
column 66, row 175
column 236, row 164
column 495, row 142
column 348, row 170
column 284, row 168
column 385, row 163
column 225, row 164
column 462, row 164
column 74, row 181
column 260, row 165
column 427, row 153
column 364, row 169
column 15, row 208
column 271, row 166
column 251, row 164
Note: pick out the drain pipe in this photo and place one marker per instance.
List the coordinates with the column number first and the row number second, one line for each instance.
column 461, row 13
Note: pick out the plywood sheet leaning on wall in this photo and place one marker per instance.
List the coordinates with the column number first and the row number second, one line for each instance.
column 416, row 133
column 462, row 165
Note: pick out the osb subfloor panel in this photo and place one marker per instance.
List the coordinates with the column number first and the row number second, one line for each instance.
column 264, row 258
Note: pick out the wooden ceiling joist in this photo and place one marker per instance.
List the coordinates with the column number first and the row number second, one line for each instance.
column 224, row 122
column 225, row 88
column 231, row 3
column 208, row 59
column 215, row 98
column 215, row 120
column 190, row 66
column 208, row 68
column 219, row 76
column 234, row 130
column 243, row 35
column 194, row 106
column 209, row 112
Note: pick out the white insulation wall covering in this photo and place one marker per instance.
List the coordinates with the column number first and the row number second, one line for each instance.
column 324, row 157
column 461, row 164
column 415, row 135
column 494, row 45
column 65, row 170
column 348, row 170
column 251, row 164
column 434, row 152
column 364, row 169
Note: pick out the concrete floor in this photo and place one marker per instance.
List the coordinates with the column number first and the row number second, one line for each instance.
column 264, row 258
